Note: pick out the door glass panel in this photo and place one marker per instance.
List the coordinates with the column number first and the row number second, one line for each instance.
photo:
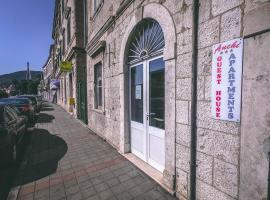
column 137, row 93
column 156, row 93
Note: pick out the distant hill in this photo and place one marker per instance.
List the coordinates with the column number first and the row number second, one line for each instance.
column 6, row 79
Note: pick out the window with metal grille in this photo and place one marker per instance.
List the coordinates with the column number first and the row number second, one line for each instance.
column 98, row 85
column 62, row 6
column 68, row 31
column 146, row 41
column 64, row 42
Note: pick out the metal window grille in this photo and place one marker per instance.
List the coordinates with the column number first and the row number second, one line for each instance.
column 146, row 41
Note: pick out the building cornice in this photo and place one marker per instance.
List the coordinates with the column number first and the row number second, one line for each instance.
column 101, row 31
column 95, row 40
column 73, row 51
column 97, row 48
column 124, row 4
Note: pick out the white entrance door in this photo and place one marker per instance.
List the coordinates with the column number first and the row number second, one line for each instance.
column 147, row 106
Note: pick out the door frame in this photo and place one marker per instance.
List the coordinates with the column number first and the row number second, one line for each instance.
column 146, row 110
column 164, row 18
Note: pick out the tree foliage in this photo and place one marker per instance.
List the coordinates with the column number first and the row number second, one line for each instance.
column 3, row 94
column 26, row 86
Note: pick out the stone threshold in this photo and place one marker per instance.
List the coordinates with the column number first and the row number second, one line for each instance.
column 153, row 173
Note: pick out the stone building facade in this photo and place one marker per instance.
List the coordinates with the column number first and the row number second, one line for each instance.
column 132, row 83
column 48, row 75
column 223, row 165
column 69, row 37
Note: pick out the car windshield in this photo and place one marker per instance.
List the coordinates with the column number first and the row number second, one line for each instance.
column 33, row 99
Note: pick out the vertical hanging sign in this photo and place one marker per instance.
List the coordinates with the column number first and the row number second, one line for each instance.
column 226, row 80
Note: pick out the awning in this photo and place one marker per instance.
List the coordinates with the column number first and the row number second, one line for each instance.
column 55, row 84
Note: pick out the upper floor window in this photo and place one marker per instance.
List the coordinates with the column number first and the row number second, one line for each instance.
column 64, row 41
column 98, row 85
column 96, row 4
column 59, row 58
column 63, row 6
column 59, row 20
column 85, row 21
column 68, row 31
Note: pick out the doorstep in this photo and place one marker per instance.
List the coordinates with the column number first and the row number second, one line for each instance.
column 148, row 170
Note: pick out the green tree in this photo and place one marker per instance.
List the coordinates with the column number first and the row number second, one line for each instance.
column 3, row 94
column 33, row 87
column 23, row 87
column 26, row 86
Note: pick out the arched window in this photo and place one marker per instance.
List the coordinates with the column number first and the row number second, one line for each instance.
column 146, row 41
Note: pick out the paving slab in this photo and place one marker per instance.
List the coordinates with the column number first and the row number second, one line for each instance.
column 65, row 160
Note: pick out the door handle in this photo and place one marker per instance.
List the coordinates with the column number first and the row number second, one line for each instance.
column 149, row 114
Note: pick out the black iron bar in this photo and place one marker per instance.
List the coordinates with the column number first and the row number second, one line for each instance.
column 193, row 139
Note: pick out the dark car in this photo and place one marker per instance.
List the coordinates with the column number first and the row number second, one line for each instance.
column 33, row 100
column 24, row 105
column 12, row 130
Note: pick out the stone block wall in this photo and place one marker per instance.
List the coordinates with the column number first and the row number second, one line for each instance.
column 218, row 169
column 106, row 122
column 218, row 146
column 218, row 152
column 255, row 126
column 77, row 58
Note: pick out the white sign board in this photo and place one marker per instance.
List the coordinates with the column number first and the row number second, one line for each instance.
column 138, row 92
column 226, row 80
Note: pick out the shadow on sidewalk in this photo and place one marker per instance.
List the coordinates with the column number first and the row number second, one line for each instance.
column 46, row 104
column 45, row 118
column 47, row 109
column 43, row 152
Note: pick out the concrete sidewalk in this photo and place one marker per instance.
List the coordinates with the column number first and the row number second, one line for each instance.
column 64, row 160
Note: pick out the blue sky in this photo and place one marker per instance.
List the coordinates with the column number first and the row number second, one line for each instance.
column 25, row 34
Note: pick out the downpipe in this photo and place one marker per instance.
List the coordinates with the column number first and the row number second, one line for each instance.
column 268, row 190
column 266, row 150
column 193, row 139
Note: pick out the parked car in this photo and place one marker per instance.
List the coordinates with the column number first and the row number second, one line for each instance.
column 12, row 130
column 18, row 112
column 24, row 106
column 34, row 101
